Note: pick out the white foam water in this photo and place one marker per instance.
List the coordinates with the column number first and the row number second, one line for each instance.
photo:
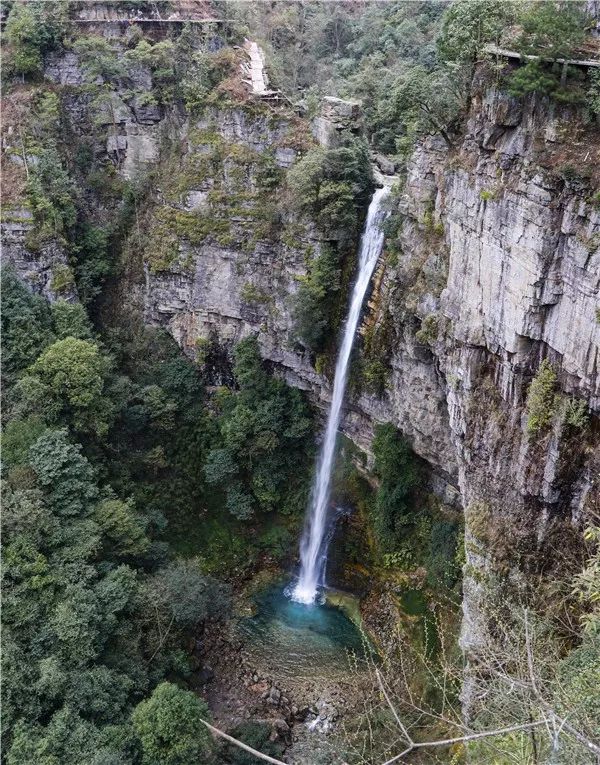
column 313, row 545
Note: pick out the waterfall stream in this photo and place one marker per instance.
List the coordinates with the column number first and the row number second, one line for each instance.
column 313, row 546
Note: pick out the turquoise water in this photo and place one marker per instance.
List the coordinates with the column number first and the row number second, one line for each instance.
column 300, row 642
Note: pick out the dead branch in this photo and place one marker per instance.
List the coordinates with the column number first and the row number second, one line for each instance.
column 463, row 739
column 241, row 745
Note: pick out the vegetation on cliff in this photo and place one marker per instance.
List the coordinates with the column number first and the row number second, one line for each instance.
column 136, row 491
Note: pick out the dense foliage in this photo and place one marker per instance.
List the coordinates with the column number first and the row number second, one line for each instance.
column 96, row 608
column 260, row 457
column 331, row 187
column 410, row 63
column 132, row 490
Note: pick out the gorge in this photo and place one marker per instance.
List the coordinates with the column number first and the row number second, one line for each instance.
column 187, row 304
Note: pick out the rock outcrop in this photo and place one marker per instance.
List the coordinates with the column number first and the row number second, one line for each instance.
column 44, row 268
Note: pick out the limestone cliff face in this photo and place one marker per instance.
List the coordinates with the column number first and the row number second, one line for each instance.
column 497, row 266
column 516, row 234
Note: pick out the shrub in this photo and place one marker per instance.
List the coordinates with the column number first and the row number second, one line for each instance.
column 375, row 375
column 169, row 726
column 51, row 195
column 469, row 24
column 576, row 413
column 33, row 29
column 552, row 30
column 333, row 185
column 256, row 735
column 70, row 320
column 427, row 334
column 62, row 278
column 593, row 94
column 313, row 304
column 26, row 325
column 397, row 469
column 541, row 399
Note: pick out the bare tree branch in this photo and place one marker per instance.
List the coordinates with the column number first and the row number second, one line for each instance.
column 470, row 737
column 241, row 745
column 391, row 706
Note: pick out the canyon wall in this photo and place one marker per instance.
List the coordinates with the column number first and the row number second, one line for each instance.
column 492, row 265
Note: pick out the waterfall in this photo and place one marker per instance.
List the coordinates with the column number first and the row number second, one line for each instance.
column 313, row 546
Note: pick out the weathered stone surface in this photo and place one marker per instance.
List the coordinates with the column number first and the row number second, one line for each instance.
column 38, row 269
column 336, row 116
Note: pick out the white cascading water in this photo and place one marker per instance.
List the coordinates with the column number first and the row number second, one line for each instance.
column 313, row 552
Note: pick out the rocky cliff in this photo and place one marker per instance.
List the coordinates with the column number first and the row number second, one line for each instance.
column 492, row 265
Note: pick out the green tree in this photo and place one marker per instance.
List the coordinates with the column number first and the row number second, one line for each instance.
column 99, row 58
column 541, row 399
column 333, row 185
column 396, row 467
column 186, row 595
column 33, row 28
column 468, row 25
column 259, row 457
column 23, row 34
column 551, row 29
column 67, row 382
column 52, row 195
column 70, row 320
column 26, row 325
column 169, row 726
column 64, row 473
column 124, row 529
column 428, row 101
column 593, row 94
column 314, row 302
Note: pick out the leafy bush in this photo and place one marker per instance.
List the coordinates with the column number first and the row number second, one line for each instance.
column 550, row 30
column 62, row 278
column 332, row 186
column 70, row 320
column 32, row 30
column 26, row 325
column 397, row 469
column 428, row 333
column 541, row 399
column 52, row 196
column 576, row 413
column 256, row 735
column 160, row 59
column 93, row 263
column 593, row 94
column 66, row 383
column 99, row 58
column 313, row 304
column 375, row 375
column 260, row 455
column 169, row 726
column 468, row 25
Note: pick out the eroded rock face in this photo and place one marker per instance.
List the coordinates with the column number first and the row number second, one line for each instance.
column 45, row 268
column 335, row 118
column 498, row 267
column 521, row 240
